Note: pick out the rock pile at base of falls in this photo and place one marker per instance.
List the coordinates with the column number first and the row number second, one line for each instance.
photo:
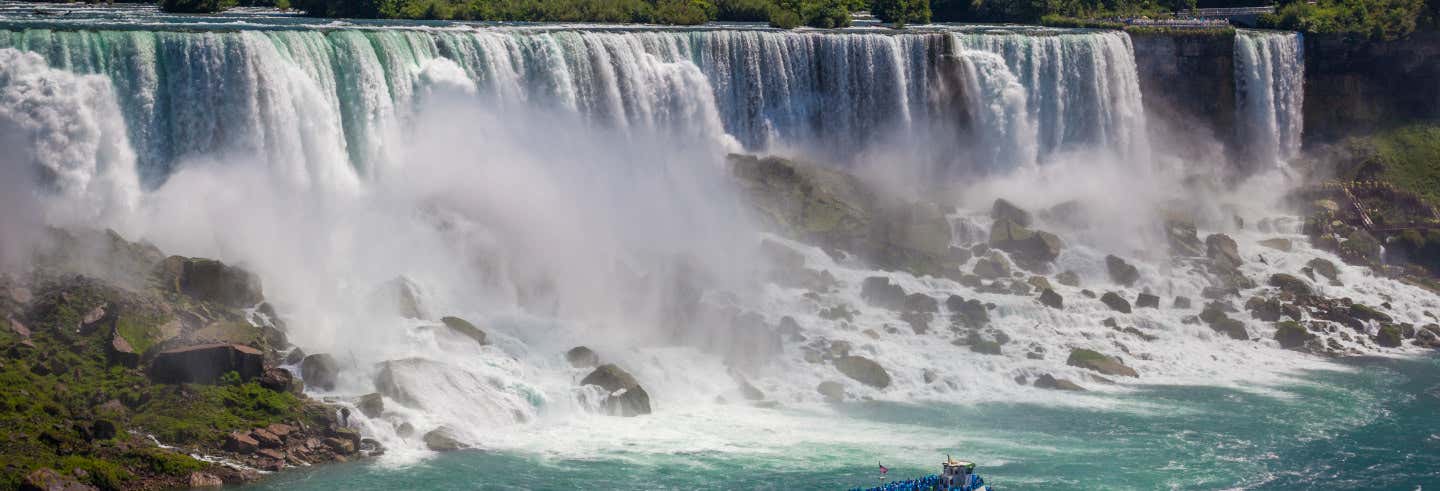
column 626, row 396
column 1097, row 362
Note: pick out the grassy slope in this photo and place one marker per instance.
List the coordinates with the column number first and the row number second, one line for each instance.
column 1407, row 157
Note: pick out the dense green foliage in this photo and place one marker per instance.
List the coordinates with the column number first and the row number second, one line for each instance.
column 901, row 12
column 1378, row 19
column 1407, row 157
column 781, row 13
column 195, row 6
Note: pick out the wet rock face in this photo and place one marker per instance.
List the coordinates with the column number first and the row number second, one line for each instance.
column 1051, row 299
column 582, row 357
column 863, row 370
column 627, row 397
column 1115, row 302
column 878, row 291
column 1291, row 335
column 1005, row 210
column 1097, row 362
column 1183, row 239
column 320, row 370
column 465, row 328
column 1120, row 271
column 442, row 440
column 206, row 363
column 831, row 390
column 1047, row 381
column 1222, row 249
column 211, row 281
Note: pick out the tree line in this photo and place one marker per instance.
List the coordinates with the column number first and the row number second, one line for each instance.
column 1382, row 19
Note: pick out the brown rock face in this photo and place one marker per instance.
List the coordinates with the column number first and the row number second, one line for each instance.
column 241, row 442
column 206, row 363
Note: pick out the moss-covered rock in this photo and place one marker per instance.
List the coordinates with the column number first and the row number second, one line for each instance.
column 1292, row 335
column 1097, row 362
column 863, row 370
column 1291, row 284
column 1389, row 336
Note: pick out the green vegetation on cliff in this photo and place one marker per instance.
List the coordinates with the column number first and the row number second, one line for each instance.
column 1407, row 157
column 1377, row 19
column 783, row 13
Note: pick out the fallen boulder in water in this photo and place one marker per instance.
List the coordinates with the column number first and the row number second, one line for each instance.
column 626, row 396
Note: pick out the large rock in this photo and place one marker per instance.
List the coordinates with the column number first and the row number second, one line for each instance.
column 878, row 291
column 1222, row 249
column 280, row 380
column 1028, row 247
column 1047, row 381
column 582, row 357
column 1095, row 361
column 1360, row 248
column 992, row 266
column 1120, row 271
column 465, row 328
column 1147, row 301
column 1279, row 243
column 1324, row 267
column 442, row 440
column 1005, row 210
column 1389, row 336
column 831, row 390
column 1183, row 240
column 627, row 397
column 320, row 370
column 403, row 295
column 372, row 405
column 863, row 370
column 832, row 209
column 1292, row 335
column 1291, row 284
column 206, row 363
column 1051, row 299
column 1115, row 302
column 211, row 281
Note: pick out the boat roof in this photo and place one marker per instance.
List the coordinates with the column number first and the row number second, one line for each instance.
column 953, row 463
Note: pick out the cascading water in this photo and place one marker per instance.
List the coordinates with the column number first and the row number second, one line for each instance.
column 561, row 186
column 1270, row 90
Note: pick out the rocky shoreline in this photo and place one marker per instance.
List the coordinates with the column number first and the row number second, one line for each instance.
column 126, row 369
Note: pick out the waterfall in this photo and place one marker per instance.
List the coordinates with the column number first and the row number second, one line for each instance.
column 1270, row 89
column 328, row 105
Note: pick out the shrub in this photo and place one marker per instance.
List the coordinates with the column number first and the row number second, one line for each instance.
column 784, row 19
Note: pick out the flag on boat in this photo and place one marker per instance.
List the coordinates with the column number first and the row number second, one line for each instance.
column 883, row 469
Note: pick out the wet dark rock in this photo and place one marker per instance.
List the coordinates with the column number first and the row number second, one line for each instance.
column 627, row 397
column 1290, row 284
column 833, row 391
column 206, row 363
column 584, row 357
column 1047, row 381
column 1068, row 278
column 1147, row 301
column 1181, row 303
column 1030, row 248
column 241, row 442
column 279, row 380
column 1324, row 268
column 1389, row 336
column 465, row 328
column 1005, row 210
column 372, row 405
column 1292, row 335
column 1265, row 309
column 1183, row 239
column 295, row 356
column 985, row 347
column 210, row 281
column 320, row 370
column 919, row 302
column 1279, row 244
column 1095, row 361
column 1115, row 302
column 863, row 370
column 442, row 440
column 1222, row 249
column 1120, row 271
column 879, row 292
column 1051, row 299
column 992, row 266
column 46, row 479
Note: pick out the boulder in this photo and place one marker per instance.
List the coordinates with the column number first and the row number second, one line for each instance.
column 206, row 363
column 1147, row 301
column 1183, row 240
column 1233, row 328
column 1005, row 210
column 372, row 405
column 46, row 479
column 1094, row 361
column 241, row 442
column 1222, row 249
column 1113, row 300
column 402, row 295
column 1120, row 271
column 985, row 347
column 863, row 370
column 1278, row 243
column 1360, row 248
column 1068, row 278
column 279, row 380
column 1290, row 284
column 1324, row 267
column 209, row 280
column 442, row 440
column 921, row 303
column 465, row 328
column 1051, row 299
column 1265, row 309
column 582, row 357
column 120, row 351
column 627, row 397
column 992, row 266
column 878, row 291
column 1428, row 336
column 1292, row 335
column 1047, row 381
column 833, row 391
column 1389, row 336
column 320, row 370
column 1029, row 247
column 1181, row 303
